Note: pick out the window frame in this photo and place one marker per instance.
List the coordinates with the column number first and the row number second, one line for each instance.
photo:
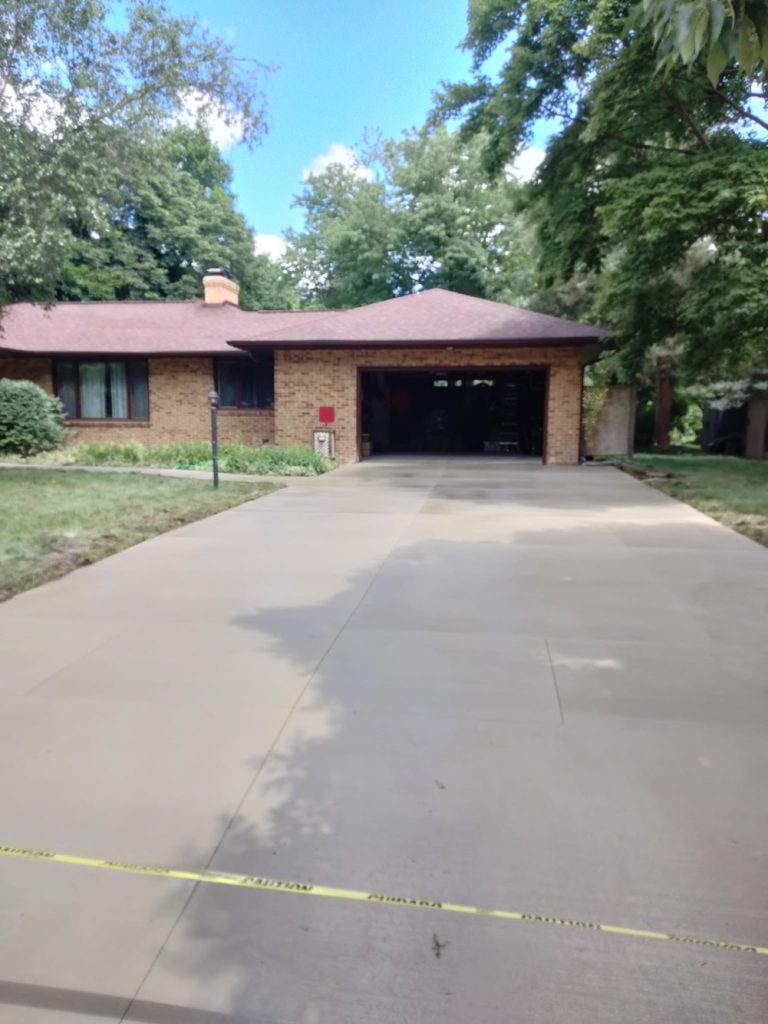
column 128, row 362
column 242, row 363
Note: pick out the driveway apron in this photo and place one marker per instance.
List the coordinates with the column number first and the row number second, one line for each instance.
column 479, row 681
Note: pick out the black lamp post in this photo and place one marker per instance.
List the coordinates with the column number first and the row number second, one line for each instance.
column 213, row 399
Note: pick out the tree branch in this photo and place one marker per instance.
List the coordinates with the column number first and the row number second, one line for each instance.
column 13, row 45
column 106, row 115
column 623, row 140
column 742, row 111
column 685, row 114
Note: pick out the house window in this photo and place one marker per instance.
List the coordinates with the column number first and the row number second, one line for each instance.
column 246, row 383
column 92, row 389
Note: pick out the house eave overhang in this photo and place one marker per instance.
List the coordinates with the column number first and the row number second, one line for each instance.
column 128, row 352
column 591, row 346
column 437, row 343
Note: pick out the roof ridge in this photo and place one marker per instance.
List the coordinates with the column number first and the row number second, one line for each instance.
column 292, row 311
column 281, row 330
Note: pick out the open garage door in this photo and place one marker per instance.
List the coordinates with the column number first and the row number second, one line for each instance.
column 455, row 411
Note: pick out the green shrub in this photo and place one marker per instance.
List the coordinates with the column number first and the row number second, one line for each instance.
column 31, row 421
column 268, row 459
column 297, row 460
column 109, row 453
column 179, row 455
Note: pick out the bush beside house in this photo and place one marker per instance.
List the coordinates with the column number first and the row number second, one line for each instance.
column 267, row 459
column 31, row 421
column 33, row 425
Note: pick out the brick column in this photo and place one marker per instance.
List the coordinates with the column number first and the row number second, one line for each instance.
column 564, row 412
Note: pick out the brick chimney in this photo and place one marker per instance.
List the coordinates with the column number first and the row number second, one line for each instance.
column 219, row 288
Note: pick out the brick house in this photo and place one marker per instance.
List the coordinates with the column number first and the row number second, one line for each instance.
column 429, row 372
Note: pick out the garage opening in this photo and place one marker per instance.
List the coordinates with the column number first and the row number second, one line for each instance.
column 456, row 411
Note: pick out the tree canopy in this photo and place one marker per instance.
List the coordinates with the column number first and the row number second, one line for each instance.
column 83, row 85
column 432, row 216
column 155, row 227
column 345, row 254
column 651, row 207
column 461, row 228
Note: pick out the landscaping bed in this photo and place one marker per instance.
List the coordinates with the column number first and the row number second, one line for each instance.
column 263, row 460
column 52, row 522
column 734, row 491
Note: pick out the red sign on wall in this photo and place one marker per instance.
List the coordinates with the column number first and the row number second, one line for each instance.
column 326, row 414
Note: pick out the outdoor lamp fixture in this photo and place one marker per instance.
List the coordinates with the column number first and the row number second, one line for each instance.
column 213, row 399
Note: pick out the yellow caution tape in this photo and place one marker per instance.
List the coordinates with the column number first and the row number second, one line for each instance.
column 381, row 899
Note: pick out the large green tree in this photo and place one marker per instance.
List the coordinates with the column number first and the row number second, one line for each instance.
column 651, row 204
column 460, row 227
column 155, row 228
column 83, row 85
column 346, row 254
column 433, row 217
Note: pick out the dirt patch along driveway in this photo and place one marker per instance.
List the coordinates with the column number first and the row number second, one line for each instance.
column 476, row 681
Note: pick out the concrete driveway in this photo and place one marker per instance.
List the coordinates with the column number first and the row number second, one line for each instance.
column 476, row 681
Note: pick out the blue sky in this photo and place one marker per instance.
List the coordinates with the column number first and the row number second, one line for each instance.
column 341, row 68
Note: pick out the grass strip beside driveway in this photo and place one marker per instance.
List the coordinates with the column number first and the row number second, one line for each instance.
column 733, row 491
column 52, row 522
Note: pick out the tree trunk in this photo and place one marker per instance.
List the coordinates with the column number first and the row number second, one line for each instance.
column 664, row 394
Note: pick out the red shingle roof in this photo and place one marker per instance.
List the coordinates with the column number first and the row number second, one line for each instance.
column 427, row 318
column 136, row 328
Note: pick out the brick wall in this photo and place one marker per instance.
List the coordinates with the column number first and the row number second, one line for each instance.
column 178, row 406
column 36, row 370
column 305, row 379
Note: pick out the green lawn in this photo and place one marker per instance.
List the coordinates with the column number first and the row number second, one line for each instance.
column 734, row 491
column 53, row 521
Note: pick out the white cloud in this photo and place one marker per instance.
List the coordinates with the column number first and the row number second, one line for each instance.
column 526, row 163
column 269, row 245
column 224, row 127
column 337, row 153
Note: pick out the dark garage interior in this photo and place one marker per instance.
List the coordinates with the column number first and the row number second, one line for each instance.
column 455, row 411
